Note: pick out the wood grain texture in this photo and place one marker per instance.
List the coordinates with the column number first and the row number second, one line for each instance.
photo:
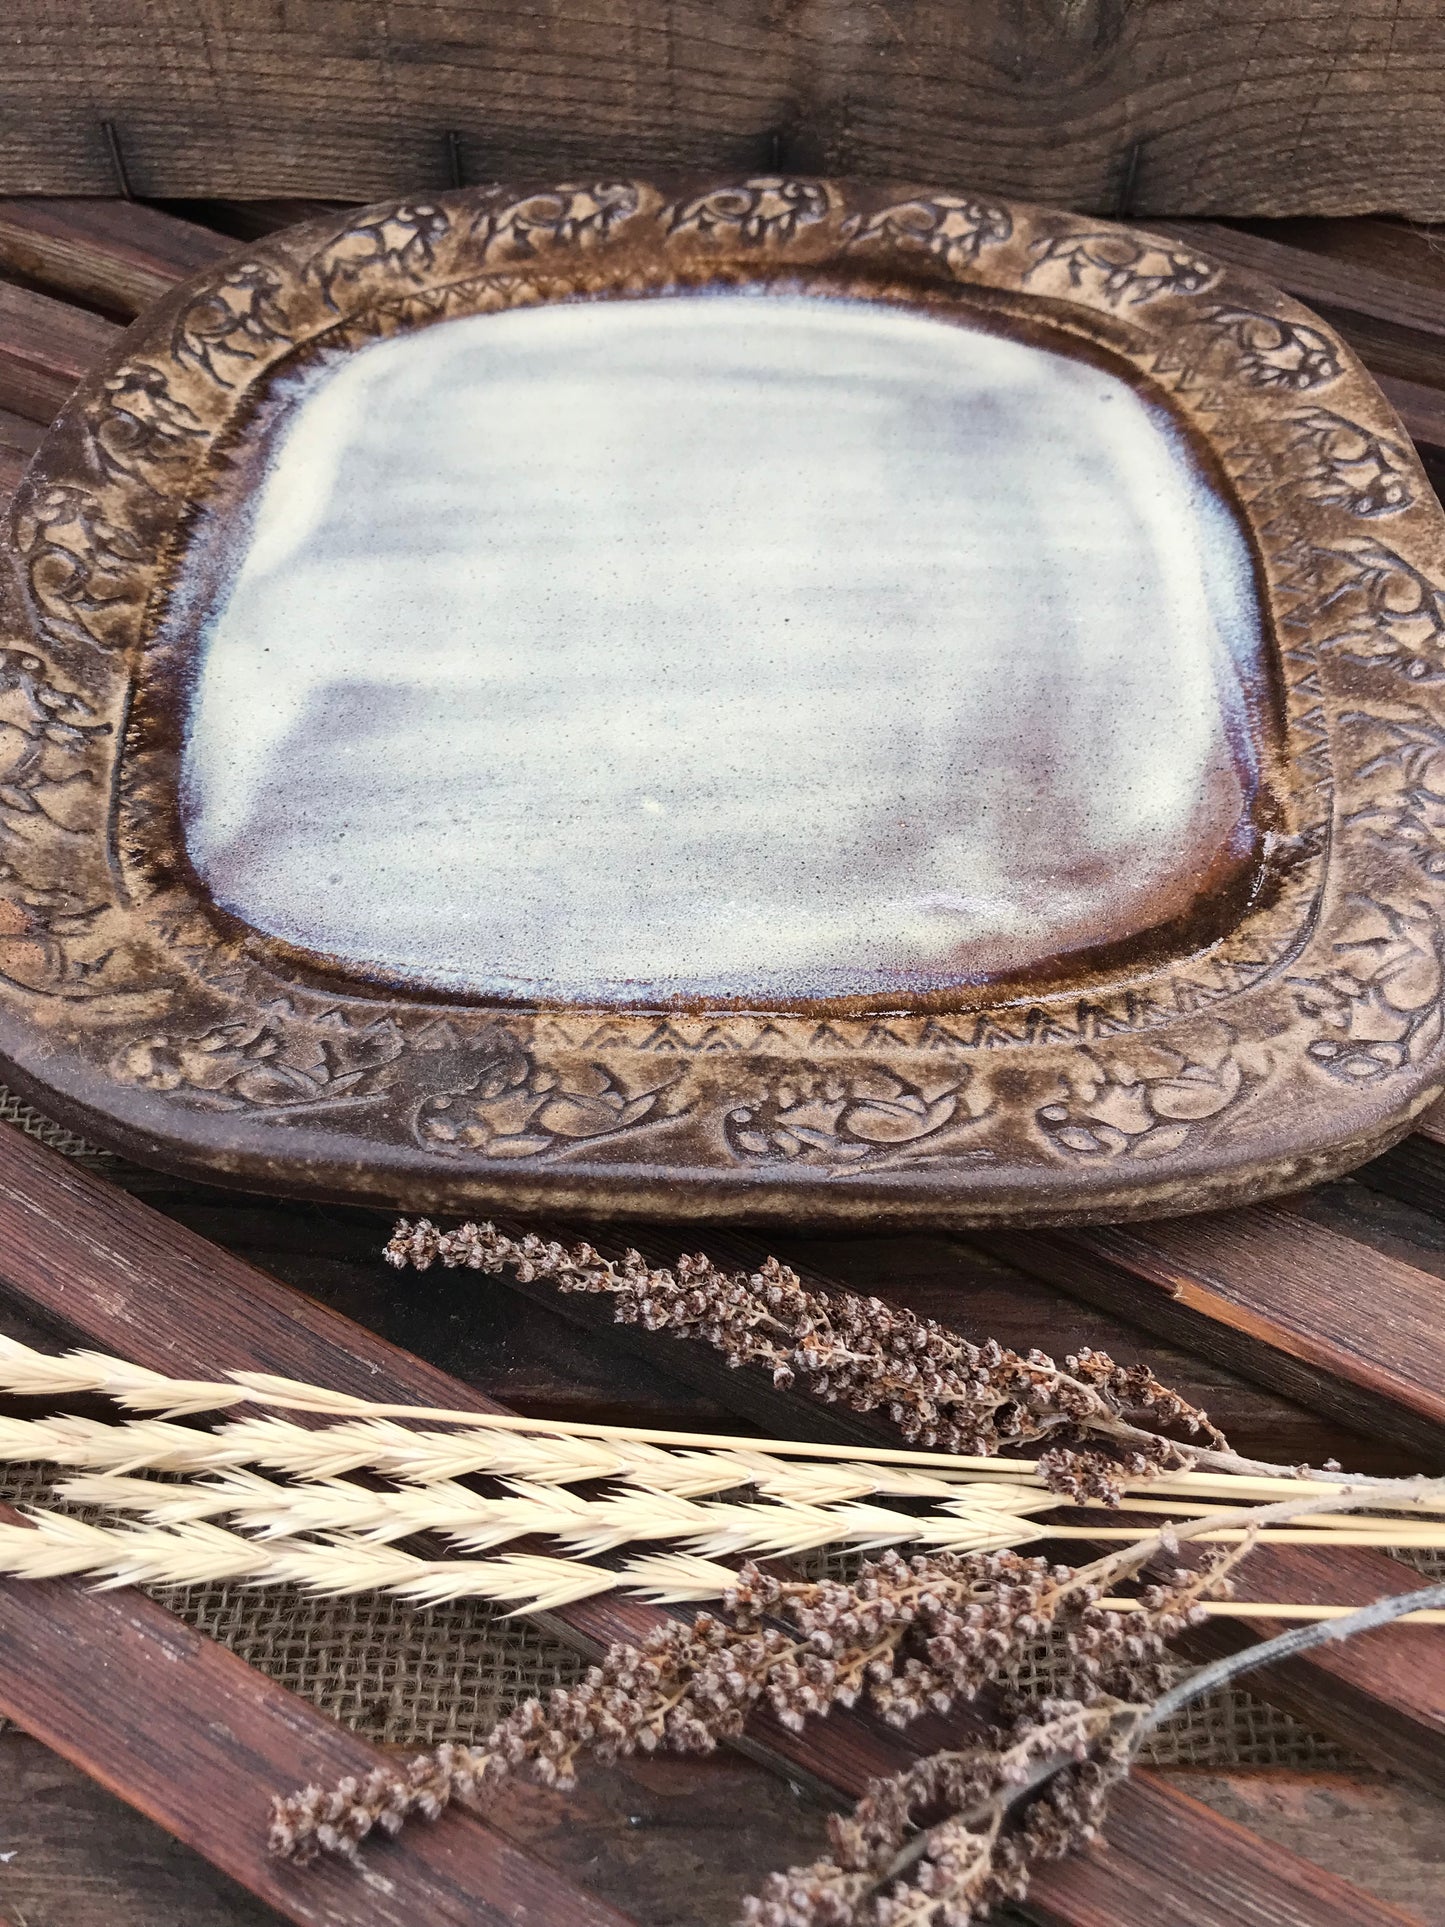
column 1329, row 1320
column 675, row 1842
column 1348, row 286
column 1373, row 1829
column 1396, row 1685
column 108, row 1267
column 194, row 1738
column 1287, row 107
column 115, row 255
column 45, row 348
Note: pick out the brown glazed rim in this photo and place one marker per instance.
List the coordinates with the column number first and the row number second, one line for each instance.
column 1255, row 1058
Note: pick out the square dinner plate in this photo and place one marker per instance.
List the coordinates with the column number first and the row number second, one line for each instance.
column 768, row 700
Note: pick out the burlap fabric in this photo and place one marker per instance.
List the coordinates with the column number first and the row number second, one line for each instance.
column 410, row 1676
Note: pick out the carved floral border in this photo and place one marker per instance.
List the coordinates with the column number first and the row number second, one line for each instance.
column 1305, row 1038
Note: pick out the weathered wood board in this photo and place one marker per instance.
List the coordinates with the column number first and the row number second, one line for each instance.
column 1177, row 106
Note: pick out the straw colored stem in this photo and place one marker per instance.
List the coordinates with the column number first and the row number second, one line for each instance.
column 33, row 1373
column 1304, row 1614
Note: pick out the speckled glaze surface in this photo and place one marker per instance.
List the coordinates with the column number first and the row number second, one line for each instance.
column 765, row 700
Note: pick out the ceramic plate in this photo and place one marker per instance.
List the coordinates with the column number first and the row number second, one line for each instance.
column 764, row 700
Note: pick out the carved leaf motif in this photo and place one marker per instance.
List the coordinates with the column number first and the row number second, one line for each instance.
column 1382, row 608
column 268, row 1065
column 1273, row 353
column 566, row 216
column 87, row 575
column 1140, row 1100
column 1380, row 1007
column 399, row 244
column 832, row 1118
column 769, row 209
column 950, row 227
column 498, row 1101
column 1352, row 469
column 239, row 319
column 1126, row 269
column 140, row 428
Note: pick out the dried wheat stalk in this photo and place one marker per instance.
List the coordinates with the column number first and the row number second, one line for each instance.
column 368, row 1435
column 637, row 1511
column 189, row 1549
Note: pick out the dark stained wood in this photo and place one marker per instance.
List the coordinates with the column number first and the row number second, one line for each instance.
column 45, row 348
column 1396, row 1685
column 1414, row 1171
column 1328, row 1320
column 1218, row 1880
column 1372, row 1829
column 18, row 441
column 1408, row 249
column 112, row 1269
column 675, row 1842
column 193, row 1737
column 1348, row 287
column 115, row 255
column 77, row 1855
column 1305, row 108
column 1421, row 409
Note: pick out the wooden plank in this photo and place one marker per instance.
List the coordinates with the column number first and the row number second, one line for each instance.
column 642, row 1835
column 190, row 1735
column 1293, row 108
column 75, row 1854
column 113, row 254
column 45, row 348
column 1316, row 278
column 1218, row 1875
column 1396, row 1686
column 128, row 1280
column 1421, row 409
column 1371, row 1829
column 18, row 441
column 1325, row 1318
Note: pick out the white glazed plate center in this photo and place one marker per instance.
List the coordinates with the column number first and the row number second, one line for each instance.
column 723, row 645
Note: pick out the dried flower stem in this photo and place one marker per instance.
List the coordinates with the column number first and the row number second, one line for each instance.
column 944, row 1842
column 1332, row 1624
column 909, row 1635
column 935, row 1386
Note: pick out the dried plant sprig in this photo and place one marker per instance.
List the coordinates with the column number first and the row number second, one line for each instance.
column 929, row 1631
column 939, row 1389
column 929, row 1845
column 952, row 1837
column 913, row 1635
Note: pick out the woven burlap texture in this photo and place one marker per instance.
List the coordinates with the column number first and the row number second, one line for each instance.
column 411, row 1676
